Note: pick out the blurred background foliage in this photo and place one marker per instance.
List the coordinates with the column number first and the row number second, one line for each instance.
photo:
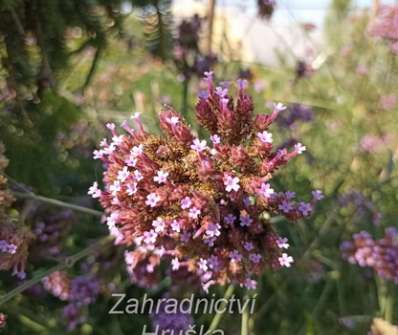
column 70, row 66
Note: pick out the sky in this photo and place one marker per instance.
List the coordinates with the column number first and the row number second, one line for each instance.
column 259, row 39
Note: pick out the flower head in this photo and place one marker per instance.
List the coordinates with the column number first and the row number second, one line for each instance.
column 196, row 208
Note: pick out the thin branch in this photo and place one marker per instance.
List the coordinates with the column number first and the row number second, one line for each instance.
column 58, row 203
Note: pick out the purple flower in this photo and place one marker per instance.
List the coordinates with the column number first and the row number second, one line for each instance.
column 245, row 220
column 186, row 203
column 285, row 206
column 305, row 208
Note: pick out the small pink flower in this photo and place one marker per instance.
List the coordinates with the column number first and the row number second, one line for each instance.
column 231, row 183
column 94, row 191
column 138, row 175
column 186, row 203
column 285, row 260
column 152, row 200
column 174, row 120
column 282, row 243
column 299, row 148
column 115, row 188
column 221, row 92
column 203, row 265
column 266, row 191
column 194, row 213
column 215, row 139
column 123, row 174
column 161, row 177
column 279, row 107
column 150, row 237
column 175, row 226
column 132, row 188
column 158, row 225
column 175, row 264
column 137, row 150
column 265, row 137
column 199, row 145
column 98, row 154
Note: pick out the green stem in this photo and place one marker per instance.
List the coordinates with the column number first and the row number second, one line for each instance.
column 185, row 90
column 245, row 323
column 66, row 263
column 59, row 203
column 217, row 318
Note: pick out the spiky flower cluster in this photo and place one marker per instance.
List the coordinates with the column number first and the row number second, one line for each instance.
column 200, row 207
column 380, row 255
column 385, row 26
column 78, row 292
column 266, row 8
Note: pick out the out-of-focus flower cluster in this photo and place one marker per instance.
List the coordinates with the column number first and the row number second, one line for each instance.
column 50, row 228
column 293, row 114
column 385, row 26
column 78, row 292
column 362, row 205
column 175, row 323
column 380, row 255
column 266, row 8
column 14, row 239
column 203, row 208
column 188, row 57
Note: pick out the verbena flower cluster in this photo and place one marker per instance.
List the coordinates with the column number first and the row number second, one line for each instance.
column 266, row 8
column 188, row 57
column 78, row 292
column 385, row 26
column 14, row 239
column 205, row 208
column 380, row 255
